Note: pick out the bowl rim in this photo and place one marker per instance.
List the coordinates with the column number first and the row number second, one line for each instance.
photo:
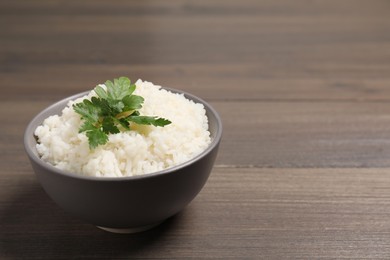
column 30, row 130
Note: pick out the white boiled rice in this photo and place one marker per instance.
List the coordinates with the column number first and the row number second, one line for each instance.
column 129, row 153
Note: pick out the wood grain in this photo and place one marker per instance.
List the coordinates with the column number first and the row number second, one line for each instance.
column 303, row 91
column 241, row 213
column 307, row 50
column 225, row 82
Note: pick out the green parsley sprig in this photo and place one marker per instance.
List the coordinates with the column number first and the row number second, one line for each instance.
column 112, row 110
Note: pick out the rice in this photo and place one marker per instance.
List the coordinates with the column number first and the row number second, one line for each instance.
column 144, row 150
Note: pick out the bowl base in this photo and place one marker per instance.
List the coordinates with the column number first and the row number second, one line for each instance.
column 129, row 230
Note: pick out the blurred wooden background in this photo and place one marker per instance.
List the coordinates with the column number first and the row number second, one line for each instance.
column 303, row 88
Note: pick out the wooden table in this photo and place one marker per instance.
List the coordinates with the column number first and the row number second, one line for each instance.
column 303, row 88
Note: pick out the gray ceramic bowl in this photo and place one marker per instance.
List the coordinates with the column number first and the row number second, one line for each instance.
column 125, row 204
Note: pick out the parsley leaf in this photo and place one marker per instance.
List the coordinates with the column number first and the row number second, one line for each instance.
column 109, row 127
column 132, row 102
column 149, row 120
column 119, row 89
column 87, row 110
column 113, row 110
column 96, row 137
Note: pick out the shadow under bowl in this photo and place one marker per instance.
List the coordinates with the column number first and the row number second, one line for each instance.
column 125, row 204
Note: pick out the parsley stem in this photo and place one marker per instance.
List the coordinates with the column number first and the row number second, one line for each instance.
column 124, row 114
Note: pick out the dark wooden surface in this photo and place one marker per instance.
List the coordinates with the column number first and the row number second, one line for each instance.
column 303, row 88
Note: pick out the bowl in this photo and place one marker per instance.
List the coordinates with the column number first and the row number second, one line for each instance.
column 125, row 204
